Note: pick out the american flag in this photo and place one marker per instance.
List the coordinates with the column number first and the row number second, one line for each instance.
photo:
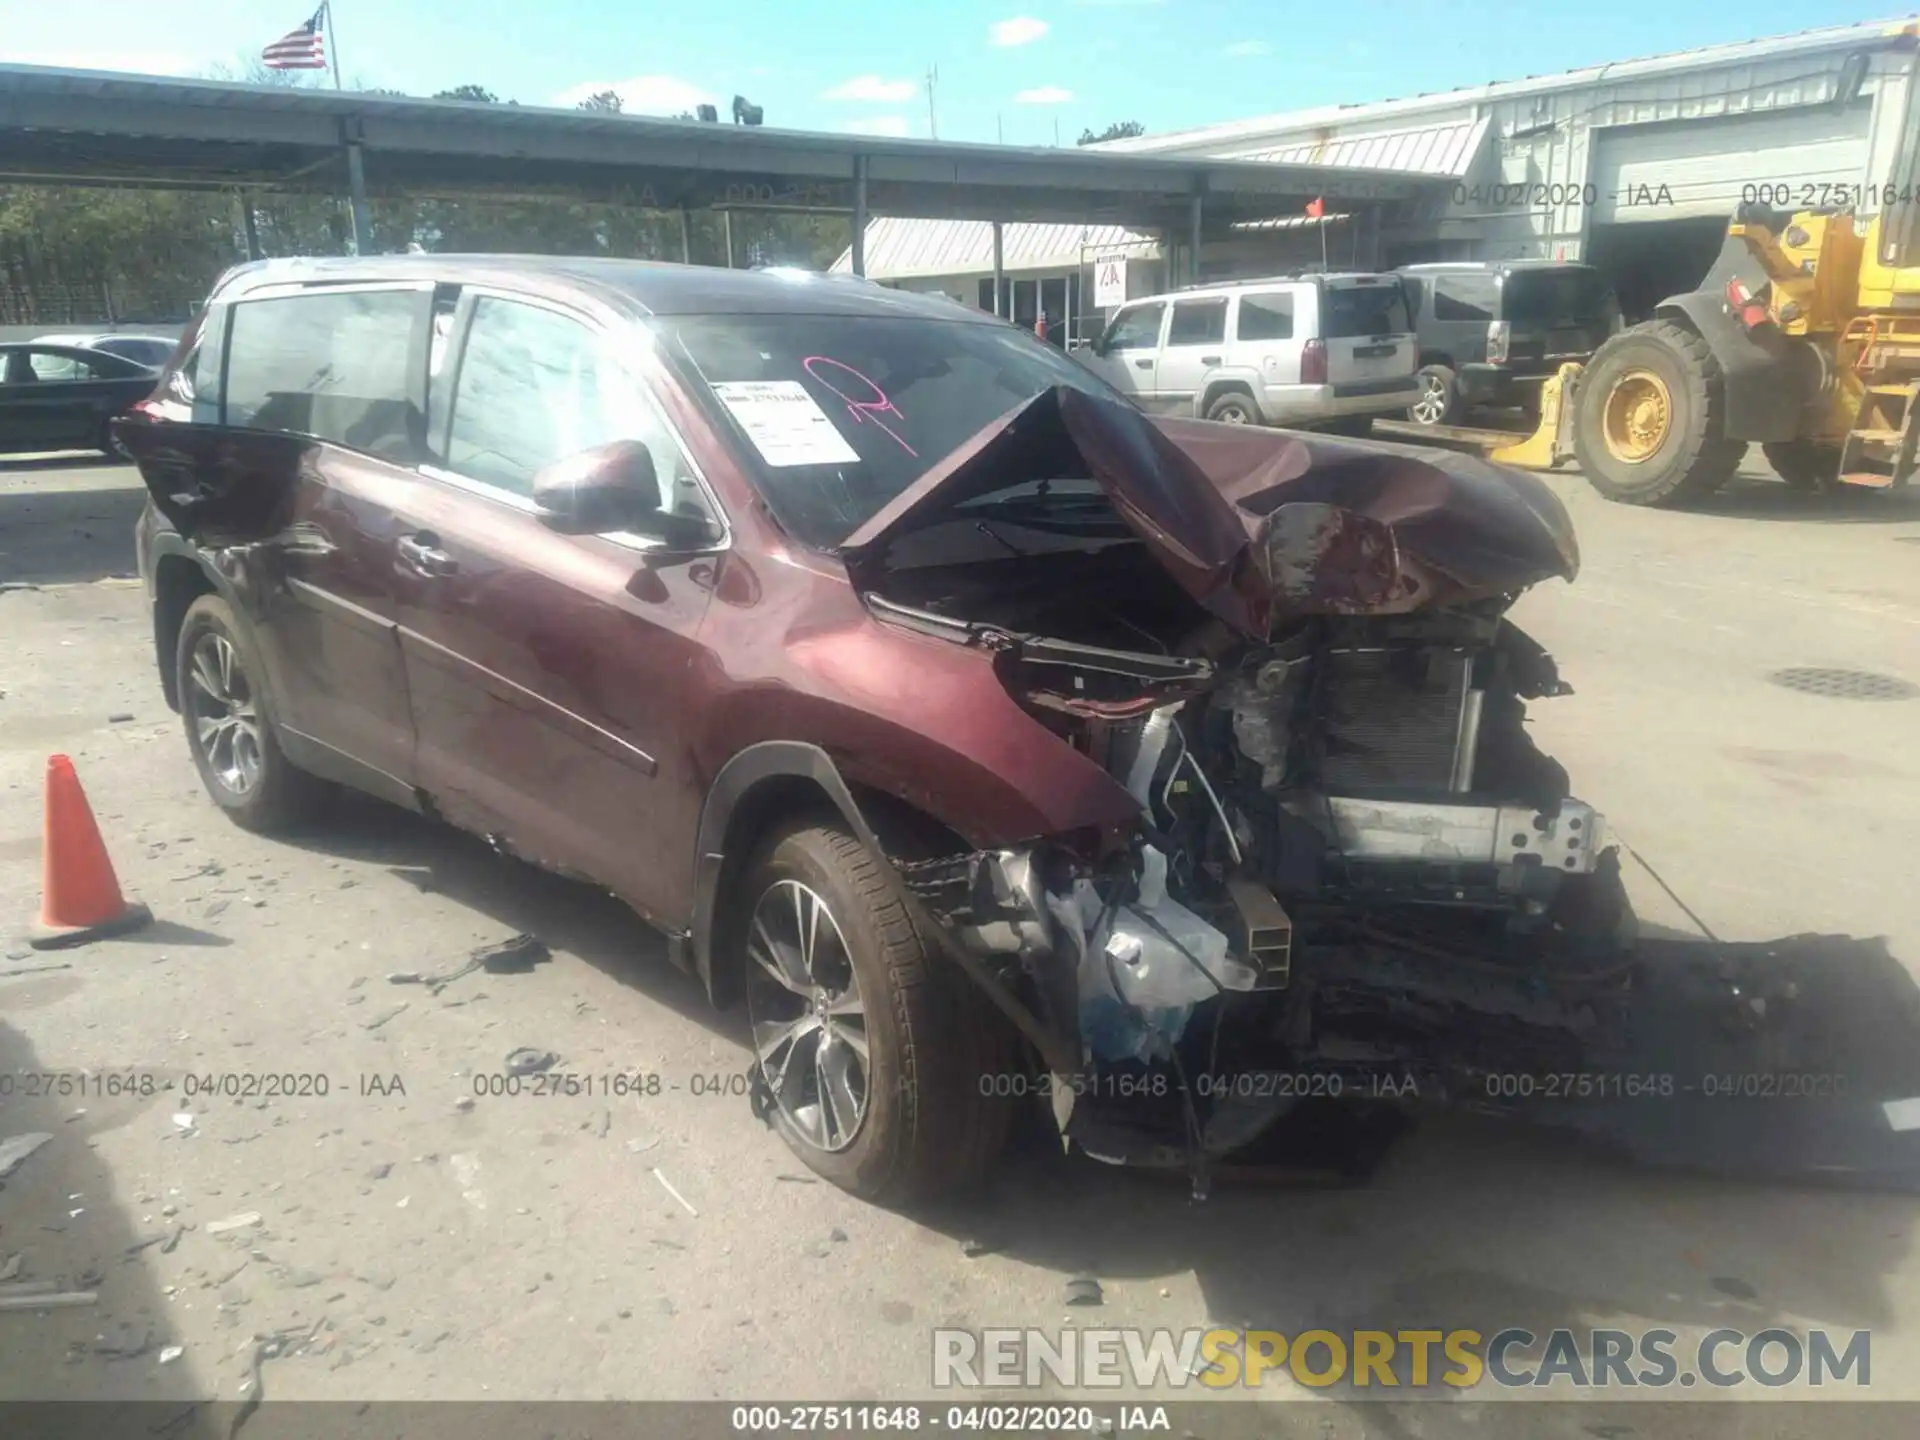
column 302, row 49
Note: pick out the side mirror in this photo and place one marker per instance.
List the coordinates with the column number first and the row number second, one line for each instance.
column 613, row 487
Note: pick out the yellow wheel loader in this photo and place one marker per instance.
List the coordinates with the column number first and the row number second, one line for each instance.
column 1804, row 338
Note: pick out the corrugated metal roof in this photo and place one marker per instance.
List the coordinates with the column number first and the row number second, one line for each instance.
column 899, row 249
column 1229, row 138
column 1446, row 149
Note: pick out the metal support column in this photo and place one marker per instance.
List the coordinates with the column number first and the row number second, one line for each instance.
column 357, row 200
column 1194, row 217
column 686, row 237
column 726, row 225
column 859, row 215
column 999, row 270
column 249, row 226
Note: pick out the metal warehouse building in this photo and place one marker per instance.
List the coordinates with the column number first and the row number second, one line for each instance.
column 1634, row 166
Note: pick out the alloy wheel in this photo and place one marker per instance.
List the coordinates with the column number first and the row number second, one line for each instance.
column 808, row 1018
column 226, row 721
column 1432, row 403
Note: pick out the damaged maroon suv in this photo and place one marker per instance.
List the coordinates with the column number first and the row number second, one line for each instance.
column 986, row 738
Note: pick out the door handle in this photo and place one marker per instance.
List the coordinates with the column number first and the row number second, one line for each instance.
column 1143, row 364
column 1209, row 359
column 423, row 553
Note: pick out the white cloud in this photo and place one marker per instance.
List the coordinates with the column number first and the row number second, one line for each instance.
column 873, row 88
column 1021, row 30
column 895, row 125
column 1240, row 49
column 643, row 94
column 1045, row 95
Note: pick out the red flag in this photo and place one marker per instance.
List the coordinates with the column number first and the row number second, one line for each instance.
column 1317, row 207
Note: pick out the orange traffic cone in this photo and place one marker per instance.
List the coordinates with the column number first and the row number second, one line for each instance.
column 82, row 899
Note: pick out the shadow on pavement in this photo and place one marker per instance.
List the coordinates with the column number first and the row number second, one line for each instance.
column 54, row 536
column 1692, row 1211
column 1753, row 498
column 565, row 914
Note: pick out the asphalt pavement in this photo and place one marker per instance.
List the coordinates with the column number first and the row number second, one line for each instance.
column 409, row 1238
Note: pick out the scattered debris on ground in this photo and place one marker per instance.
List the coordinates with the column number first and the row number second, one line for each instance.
column 667, row 1185
column 528, row 1061
column 1084, row 1290
column 515, row 956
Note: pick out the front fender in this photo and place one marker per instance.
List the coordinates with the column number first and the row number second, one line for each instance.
column 773, row 761
column 1768, row 380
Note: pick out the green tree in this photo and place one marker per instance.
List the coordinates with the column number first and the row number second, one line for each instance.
column 1119, row 130
column 603, row 100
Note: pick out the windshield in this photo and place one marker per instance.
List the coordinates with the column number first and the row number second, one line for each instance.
column 1356, row 311
column 837, row 414
column 1556, row 297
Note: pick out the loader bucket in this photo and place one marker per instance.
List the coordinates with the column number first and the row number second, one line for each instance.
column 1552, row 439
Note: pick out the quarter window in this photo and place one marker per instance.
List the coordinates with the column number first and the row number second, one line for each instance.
column 1465, row 297
column 1198, row 322
column 535, row 386
column 344, row 366
column 1265, row 317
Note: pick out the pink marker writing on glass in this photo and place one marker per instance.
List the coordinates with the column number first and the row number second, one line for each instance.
column 865, row 409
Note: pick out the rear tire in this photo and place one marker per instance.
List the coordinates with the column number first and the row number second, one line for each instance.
column 921, row 1120
column 1804, row 465
column 229, row 721
column 1233, row 407
column 1651, row 413
column 1439, row 402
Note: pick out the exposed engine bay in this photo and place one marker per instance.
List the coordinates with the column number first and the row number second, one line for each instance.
column 1353, row 874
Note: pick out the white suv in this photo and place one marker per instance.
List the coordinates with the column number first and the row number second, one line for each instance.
column 1307, row 350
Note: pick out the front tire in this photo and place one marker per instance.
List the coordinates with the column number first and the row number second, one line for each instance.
column 878, row 1056
column 228, row 716
column 1651, row 416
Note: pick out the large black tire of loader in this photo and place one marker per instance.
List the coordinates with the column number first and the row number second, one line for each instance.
column 1694, row 459
column 1803, row 464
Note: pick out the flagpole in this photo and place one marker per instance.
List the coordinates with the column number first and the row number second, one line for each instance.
column 333, row 50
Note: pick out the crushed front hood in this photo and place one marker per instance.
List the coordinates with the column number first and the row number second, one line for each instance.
column 1260, row 524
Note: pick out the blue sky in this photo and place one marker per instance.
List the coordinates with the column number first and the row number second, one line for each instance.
column 1022, row 70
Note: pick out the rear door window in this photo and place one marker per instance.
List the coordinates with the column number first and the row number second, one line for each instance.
column 1465, row 297
column 344, row 366
column 1265, row 316
column 1352, row 311
column 1555, row 297
column 1198, row 322
column 50, row 365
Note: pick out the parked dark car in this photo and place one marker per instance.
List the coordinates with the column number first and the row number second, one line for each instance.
column 152, row 351
column 62, row 397
column 988, row 737
column 1490, row 333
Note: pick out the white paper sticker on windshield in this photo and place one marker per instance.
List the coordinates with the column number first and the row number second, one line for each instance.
column 785, row 423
